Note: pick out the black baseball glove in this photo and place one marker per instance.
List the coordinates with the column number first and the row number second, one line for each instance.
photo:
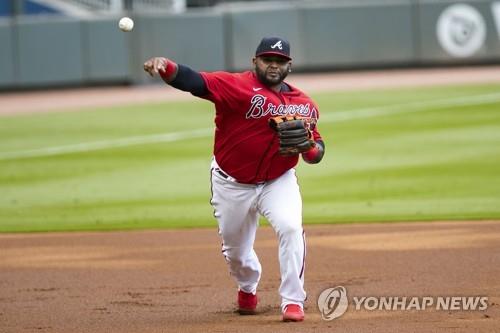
column 294, row 134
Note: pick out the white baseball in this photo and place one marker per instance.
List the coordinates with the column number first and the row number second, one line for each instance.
column 126, row 24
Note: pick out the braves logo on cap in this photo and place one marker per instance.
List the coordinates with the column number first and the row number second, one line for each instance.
column 278, row 45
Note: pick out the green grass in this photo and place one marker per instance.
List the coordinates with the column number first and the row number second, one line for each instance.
column 437, row 163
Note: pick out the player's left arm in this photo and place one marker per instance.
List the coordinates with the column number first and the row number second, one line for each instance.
column 316, row 153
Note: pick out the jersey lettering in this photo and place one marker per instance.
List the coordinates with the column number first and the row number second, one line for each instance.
column 257, row 109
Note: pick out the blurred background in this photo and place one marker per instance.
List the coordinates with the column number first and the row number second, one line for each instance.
column 52, row 43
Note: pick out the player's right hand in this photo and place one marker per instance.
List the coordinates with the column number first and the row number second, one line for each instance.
column 154, row 65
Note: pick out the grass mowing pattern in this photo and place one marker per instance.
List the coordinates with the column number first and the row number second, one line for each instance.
column 436, row 164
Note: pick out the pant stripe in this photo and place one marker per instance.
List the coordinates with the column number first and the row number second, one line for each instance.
column 304, row 254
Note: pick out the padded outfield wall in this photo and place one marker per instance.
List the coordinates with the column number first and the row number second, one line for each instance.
column 46, row 51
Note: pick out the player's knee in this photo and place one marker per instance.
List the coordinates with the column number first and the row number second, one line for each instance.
column 288, row 227
column 230, row 235
column 235, row 255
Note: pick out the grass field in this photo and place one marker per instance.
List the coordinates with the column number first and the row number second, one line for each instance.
column 392, row 155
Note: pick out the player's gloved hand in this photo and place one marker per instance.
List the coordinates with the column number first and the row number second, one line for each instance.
column 294, row 134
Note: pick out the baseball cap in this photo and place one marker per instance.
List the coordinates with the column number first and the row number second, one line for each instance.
column 273, row 46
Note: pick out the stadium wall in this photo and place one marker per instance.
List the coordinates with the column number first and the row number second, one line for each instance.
column 48, row 51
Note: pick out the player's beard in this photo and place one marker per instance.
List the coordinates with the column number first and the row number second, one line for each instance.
column 270, row 81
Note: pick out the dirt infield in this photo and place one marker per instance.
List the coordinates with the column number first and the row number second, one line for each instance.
column 177, row 281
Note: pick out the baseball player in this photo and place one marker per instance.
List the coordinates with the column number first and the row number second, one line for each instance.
column 262, row 126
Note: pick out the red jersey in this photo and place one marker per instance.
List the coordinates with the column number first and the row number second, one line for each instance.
column 245, row 146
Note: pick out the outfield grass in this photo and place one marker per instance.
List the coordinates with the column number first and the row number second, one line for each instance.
column 433, row 156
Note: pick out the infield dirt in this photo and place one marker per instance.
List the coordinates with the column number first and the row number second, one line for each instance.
column 177, row 281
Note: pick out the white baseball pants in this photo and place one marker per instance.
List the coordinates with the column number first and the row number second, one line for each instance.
column 237, row 207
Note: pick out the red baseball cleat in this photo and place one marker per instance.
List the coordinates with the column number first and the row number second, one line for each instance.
column 247, row 303
column 293, row 312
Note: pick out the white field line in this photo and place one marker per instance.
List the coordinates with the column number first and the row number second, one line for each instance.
column 107, row 144
column 339, row 116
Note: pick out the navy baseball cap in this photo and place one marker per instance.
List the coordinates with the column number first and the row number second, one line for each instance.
column 273, row 46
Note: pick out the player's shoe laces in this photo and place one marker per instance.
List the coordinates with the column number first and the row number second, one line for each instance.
column 293, row 312
column 247, row 303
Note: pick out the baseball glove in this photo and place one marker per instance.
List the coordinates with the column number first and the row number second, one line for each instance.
column 294, row 134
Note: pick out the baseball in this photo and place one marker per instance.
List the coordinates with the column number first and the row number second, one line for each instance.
column 126, row 24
